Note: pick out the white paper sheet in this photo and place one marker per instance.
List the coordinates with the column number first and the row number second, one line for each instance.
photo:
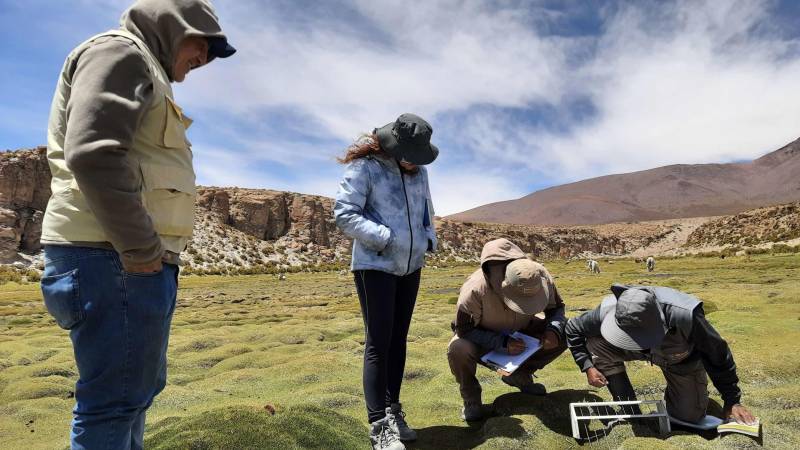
column 501, row 360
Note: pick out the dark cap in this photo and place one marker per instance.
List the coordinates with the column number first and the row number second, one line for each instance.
column 408, row 139
column 219, row 48
column 636, row 322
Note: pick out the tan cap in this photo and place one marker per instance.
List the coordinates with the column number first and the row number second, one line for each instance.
column 526, row 287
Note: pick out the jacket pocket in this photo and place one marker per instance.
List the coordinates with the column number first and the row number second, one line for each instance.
column 387, row 247
column 62, row 299
column 168, row 194
column 176, row 125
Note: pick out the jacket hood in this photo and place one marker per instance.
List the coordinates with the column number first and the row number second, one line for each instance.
column 500, row 250
column 164, row 24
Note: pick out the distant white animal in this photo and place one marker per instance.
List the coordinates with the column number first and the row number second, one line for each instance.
column 282, row 277
column 593, row 266
column 651, row 264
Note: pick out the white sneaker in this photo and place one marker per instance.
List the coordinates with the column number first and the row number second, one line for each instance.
column 383, row 435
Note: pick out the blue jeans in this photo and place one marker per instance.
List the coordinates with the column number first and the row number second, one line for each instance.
column 119, row 326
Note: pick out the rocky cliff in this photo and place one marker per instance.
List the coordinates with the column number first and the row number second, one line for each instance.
column 290, row 228
column 24, row 190
column 270, row 215
column 259, row 230
column 465, row 240
column 758, row 227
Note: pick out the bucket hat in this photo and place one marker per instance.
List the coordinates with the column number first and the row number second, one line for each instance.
column 635, row 323
column 526, row 287
column 408, row 139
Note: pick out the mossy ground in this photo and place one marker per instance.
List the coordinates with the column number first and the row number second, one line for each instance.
column 241, row 343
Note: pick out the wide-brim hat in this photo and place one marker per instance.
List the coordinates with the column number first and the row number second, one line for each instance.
column 635, row 323
column 526, row 287
column 408, row 139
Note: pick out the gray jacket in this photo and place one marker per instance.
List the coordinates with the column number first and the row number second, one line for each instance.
column 690, row 338
column 387, row 213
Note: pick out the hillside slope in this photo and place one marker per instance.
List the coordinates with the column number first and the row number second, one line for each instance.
column 677, row 191
column 758, row 227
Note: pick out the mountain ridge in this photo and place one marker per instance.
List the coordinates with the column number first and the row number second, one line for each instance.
column 661, row 193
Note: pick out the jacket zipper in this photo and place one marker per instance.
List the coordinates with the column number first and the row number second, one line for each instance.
column 408, row 214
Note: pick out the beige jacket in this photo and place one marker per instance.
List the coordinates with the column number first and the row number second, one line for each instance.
column 483, row 317
column 121, row 163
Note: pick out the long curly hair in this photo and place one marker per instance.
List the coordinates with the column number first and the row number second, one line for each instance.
column 367, row 145
column 364, row 146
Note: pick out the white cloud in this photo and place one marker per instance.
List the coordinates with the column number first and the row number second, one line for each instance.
column 347, row 81
column 220, row 166
column 458, row 54
column 235, row 167
column 458, row 190
column 705, row 89
column 452, row 190
column 669, row 82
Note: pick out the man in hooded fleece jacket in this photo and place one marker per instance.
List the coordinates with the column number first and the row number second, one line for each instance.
column 122, row 208
column 508, row 293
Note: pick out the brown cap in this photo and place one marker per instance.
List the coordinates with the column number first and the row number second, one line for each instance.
column 526, row 287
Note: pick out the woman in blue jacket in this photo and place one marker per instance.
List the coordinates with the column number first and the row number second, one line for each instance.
column 384, row 205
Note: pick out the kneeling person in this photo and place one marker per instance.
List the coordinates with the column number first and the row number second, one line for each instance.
column 508, row 293
column 668, row 328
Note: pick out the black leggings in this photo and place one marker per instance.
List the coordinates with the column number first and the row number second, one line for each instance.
column 387, row 302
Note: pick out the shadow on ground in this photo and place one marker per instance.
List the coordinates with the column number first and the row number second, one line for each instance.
column 552, row 410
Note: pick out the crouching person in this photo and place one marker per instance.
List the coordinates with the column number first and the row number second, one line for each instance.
column 668, row 328
column 508, row 293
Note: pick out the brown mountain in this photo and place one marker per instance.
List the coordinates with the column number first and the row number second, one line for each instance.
column 670, row 192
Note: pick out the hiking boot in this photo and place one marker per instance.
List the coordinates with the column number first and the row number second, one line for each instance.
column 524, row 382
column 403, row 430
column 472, row 412
column 383, row 436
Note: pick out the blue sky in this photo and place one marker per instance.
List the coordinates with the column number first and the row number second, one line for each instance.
column 522, row 95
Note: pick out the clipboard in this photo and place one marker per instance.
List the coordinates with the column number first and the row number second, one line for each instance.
column 504, row 363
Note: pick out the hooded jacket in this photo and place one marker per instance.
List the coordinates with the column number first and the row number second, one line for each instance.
column 387, row 213
column 105, row 93
column 481, row 314
column 690, row 339
column 164, row 24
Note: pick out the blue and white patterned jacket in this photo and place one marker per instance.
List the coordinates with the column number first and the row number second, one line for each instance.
column 388, row 214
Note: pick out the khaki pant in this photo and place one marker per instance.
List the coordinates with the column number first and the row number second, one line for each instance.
column 687, row 392
column 464, row 357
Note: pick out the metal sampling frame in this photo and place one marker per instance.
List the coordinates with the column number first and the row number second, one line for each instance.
column 657, row 410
